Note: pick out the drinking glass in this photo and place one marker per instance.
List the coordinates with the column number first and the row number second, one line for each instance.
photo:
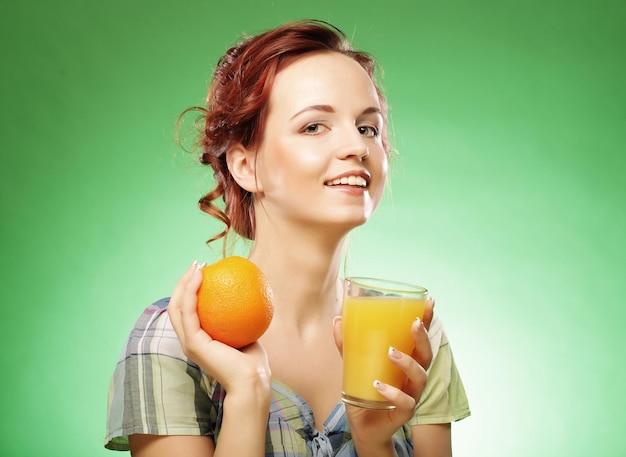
column 377, row 314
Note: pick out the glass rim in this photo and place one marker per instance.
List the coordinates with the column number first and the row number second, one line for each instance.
column 379, row 283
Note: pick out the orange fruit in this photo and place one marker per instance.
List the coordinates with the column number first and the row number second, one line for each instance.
column 235, row 302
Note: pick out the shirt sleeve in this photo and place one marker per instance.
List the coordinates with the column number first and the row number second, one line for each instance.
column 155, row 389
column 444, row 399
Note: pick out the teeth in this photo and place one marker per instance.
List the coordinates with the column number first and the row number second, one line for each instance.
column 350, row 181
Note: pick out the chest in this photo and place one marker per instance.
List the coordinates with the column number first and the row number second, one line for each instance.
column 313, row 373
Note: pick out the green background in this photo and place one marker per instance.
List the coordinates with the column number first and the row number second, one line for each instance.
column 507, row 200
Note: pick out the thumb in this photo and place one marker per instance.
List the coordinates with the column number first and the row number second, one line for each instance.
column 429, row 312
column 338, row 333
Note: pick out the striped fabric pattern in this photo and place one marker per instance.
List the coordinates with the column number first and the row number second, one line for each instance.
column 156, row 390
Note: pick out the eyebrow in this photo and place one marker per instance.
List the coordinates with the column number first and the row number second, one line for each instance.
column 330, row 109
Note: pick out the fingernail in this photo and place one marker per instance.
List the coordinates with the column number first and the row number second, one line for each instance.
column 200, row 266
column 194, row 264
column 380, row 386
column 394, row 354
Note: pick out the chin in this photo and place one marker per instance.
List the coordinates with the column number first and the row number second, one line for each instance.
column 353, row 223
column 345, row 219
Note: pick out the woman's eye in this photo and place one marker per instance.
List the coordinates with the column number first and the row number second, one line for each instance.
column 368, row 130
column 313, row 128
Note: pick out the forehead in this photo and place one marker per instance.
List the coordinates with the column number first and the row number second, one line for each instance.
column 322, row 78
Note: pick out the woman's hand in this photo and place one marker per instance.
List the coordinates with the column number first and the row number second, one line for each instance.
column 243, row 371
column 372, row 429
column 244, row 374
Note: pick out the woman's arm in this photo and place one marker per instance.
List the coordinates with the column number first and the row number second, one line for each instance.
column 245, row 415
column 432, row 440
column 240, row 420
column 170, row 446
column 244, row 374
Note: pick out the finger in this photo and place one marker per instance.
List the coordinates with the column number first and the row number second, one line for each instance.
column 404, row 403
column 422, row 352
column 429, row 312
column 415, row 373
column 188, row 303
column 196, row 343
column 180, row 285
column 185, row 277
column 338, row 333
column 173, row 307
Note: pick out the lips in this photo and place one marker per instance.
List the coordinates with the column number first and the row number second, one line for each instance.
column 354, row 179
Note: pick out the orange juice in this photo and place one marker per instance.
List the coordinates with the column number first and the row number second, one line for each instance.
column 371, row 324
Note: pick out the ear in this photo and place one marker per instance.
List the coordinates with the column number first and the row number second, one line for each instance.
column 242, row 166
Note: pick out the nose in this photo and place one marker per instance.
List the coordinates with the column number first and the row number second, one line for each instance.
column 354, row 146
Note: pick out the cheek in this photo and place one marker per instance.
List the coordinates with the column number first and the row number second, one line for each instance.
column 385, row 167
column 306, row 155
column 295, row 162
column 287, row 165
column 380, row 172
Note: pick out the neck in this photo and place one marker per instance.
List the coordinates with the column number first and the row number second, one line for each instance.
column 303, row 271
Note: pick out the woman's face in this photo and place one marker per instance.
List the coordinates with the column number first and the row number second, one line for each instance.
column 321, row 160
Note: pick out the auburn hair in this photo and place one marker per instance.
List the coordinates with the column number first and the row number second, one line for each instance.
column 236, row 107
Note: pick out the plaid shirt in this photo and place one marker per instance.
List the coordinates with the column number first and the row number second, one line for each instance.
column 156, row 390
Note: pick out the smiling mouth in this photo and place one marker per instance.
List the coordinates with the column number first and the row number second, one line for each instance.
column 354, row 181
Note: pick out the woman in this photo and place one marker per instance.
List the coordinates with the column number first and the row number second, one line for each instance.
column 289, row 113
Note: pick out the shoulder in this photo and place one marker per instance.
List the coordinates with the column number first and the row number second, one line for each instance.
column 153, row 334
column 437, row 335
column 155, row 389
column 444, row 399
